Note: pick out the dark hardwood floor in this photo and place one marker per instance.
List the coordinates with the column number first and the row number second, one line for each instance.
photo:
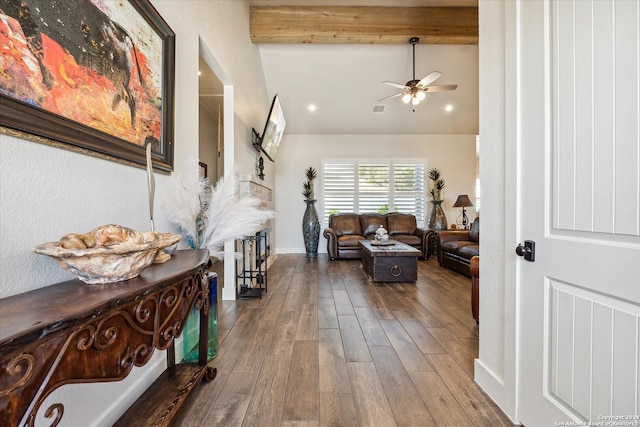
column 326, row 347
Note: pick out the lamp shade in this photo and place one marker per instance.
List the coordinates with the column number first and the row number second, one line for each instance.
column 462, row 201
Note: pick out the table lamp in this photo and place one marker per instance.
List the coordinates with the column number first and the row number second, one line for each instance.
column 463, row 202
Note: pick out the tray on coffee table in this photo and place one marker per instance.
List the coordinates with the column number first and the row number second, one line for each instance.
column 382, row 242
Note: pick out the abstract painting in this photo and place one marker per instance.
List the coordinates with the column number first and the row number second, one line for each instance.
column 93, row 74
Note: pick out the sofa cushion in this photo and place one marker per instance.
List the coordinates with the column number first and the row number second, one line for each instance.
column 399, row 223
column 474, row 235
column 469, row 251
column 349, row 241
column 454, row 246
column 346, row 224
column 370, row 222
column 408, row 239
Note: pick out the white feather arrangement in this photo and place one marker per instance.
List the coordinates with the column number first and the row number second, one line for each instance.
column 232, row 217
column 189, row 206
column 208, row 217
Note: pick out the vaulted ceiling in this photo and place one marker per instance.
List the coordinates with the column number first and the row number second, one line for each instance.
column 336, row 53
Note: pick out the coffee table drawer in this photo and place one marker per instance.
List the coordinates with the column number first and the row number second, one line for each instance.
column 391, row 268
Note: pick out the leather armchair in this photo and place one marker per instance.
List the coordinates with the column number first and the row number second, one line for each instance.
column 474, row 268
column 457, row 247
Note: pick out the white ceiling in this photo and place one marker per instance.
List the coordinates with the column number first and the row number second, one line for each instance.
column 345, row 81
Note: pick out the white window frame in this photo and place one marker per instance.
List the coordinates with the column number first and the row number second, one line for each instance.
column 356, row 162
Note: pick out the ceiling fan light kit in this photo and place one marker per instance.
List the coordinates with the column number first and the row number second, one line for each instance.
column 414, row 90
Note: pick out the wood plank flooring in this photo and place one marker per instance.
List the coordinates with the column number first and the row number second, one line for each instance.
column 326, row 347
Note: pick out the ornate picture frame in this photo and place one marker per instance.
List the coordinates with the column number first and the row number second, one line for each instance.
column 93, row 76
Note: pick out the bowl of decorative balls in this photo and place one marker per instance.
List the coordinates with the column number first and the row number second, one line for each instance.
column 109, row 253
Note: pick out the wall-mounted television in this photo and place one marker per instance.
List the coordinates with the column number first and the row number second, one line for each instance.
column 273, row 130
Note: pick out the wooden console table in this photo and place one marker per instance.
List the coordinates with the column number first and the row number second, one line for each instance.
column 72, row 332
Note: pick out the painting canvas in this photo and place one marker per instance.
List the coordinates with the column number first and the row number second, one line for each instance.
column 94, row 74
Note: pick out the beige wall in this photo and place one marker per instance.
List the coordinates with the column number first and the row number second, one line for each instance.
column 47, row 192
column 454, row 155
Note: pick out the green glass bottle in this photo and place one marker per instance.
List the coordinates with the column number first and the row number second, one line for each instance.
column 191, row 330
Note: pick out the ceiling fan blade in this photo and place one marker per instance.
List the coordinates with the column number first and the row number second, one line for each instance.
column 391, row 96
column 432, row 77
column 398, row 85
column 441, row 88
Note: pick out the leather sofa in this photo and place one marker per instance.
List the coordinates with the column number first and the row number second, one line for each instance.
column 457, row 247
column 475, row 288
column 347, row 229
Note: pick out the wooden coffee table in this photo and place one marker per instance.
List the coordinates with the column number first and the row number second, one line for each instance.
column 393, row 263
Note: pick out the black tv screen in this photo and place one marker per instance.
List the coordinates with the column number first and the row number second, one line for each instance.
column 273, row 130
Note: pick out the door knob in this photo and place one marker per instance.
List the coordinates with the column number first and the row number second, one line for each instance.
column 528, row 251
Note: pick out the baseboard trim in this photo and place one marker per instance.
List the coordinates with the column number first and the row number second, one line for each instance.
column 294, row 250
column 229, row 293
column 140, row 379
column 492, row 385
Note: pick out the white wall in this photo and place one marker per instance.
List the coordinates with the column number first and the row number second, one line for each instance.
column 454, row 155
column 495, row 368
column 208, row 150
column 47, row 192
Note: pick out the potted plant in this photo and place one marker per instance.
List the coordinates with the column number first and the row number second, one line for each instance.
column 438, row 184
column 310, row 222
column 307, row 186
column 437, row 218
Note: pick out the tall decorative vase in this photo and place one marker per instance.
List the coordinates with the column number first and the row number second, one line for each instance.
column 437, row 218
column 191, row 333
column 311, row 229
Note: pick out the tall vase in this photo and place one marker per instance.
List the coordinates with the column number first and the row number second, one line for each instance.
column 191, row 333
column 311, row 229
column 437, row 218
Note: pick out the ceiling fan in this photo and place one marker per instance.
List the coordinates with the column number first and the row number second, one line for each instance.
column 414, row 90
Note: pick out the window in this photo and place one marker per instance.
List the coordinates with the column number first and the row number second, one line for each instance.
column 394, row 185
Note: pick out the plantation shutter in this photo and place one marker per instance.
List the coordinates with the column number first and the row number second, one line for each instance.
column 374, row 193
column 409, row 189
column 339, row 188
column 359, row 186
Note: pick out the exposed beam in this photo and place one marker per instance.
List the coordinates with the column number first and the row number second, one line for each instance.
column 367, row 25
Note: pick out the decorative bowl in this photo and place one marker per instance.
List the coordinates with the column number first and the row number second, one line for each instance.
column 108, row 260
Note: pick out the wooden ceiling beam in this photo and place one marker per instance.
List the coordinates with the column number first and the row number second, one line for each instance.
column 366, row 25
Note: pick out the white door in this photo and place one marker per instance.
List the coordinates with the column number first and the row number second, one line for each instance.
column 578, row 143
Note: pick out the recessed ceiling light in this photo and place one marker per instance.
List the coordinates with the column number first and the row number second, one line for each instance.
column 312, row 107
column 448, row 108
column 199, row 73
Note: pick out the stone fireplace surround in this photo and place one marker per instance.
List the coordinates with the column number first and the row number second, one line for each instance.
column 251, row 186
